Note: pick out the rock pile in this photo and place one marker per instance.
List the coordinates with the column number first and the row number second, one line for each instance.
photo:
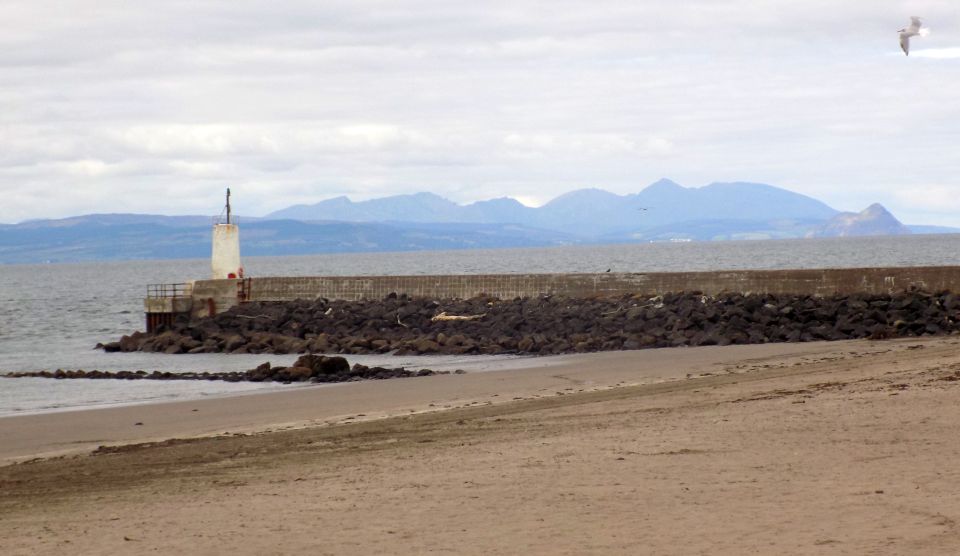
column 549, row 324
column 312, row 368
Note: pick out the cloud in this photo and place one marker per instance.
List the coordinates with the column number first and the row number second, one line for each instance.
column 949, row 53
column 122, row 104
column 930, row 198
column 193, row 140
column 584, row 145
column 88, row 168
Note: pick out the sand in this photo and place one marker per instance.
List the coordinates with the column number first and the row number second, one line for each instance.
column 822, row 448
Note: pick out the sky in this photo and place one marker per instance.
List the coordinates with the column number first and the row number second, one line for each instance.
column 145, row 107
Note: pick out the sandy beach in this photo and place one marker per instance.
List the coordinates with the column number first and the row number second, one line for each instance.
column 818, row 448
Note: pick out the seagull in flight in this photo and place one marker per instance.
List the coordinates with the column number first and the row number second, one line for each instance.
column 912, row 31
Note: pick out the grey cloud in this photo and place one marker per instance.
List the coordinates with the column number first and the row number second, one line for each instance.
column 295, row 102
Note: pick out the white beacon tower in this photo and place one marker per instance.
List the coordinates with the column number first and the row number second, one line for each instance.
column 225, row 261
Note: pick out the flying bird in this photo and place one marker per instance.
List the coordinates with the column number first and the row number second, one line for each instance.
column 912, row 31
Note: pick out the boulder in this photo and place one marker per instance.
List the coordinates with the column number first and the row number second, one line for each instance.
column 132, row 342
column 261, row 373
column 233, row 342
column 112, row 346
column 424, row 346
column 294, row 374
column 321, row 365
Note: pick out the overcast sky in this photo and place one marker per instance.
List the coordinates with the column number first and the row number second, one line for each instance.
column 133, row 106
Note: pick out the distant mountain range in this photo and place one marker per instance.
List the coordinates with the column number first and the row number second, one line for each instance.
column 595, row 213
column 663, row 211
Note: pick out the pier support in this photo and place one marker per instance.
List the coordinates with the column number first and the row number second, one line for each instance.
column 165, row 302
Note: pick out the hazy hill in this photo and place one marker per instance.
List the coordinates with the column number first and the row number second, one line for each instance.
column 874, row 220
column 719, row 230
column 417, row 207
column 125, row 237
column 116, row 219
column 729, row 201
column 502, row 210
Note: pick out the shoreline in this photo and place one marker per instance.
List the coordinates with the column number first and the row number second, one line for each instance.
column 76, row 431
column 841, row 447
column 131, row 393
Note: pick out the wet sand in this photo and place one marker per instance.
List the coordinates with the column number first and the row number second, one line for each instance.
column 822, row 448
column 30, row 436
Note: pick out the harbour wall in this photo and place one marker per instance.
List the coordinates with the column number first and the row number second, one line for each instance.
column 215, row 296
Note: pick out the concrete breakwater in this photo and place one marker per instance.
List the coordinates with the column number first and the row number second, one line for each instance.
column 549, row 324
column 209, row 297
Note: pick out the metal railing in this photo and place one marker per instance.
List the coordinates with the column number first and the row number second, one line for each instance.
column 244, row 290
column 221, row 219
column 159, row 291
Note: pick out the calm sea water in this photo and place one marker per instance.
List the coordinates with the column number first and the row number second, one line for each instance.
column 51, row 316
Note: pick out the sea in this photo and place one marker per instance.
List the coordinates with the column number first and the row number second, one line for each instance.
column 52, row 315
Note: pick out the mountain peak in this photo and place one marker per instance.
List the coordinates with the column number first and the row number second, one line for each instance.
column 585, row 192
column 425, row 195
column 663, row 184
column 499, row 201
column 874, row 220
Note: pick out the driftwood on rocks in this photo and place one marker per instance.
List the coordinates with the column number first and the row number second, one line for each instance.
column 548, row 324
column 444, row 316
